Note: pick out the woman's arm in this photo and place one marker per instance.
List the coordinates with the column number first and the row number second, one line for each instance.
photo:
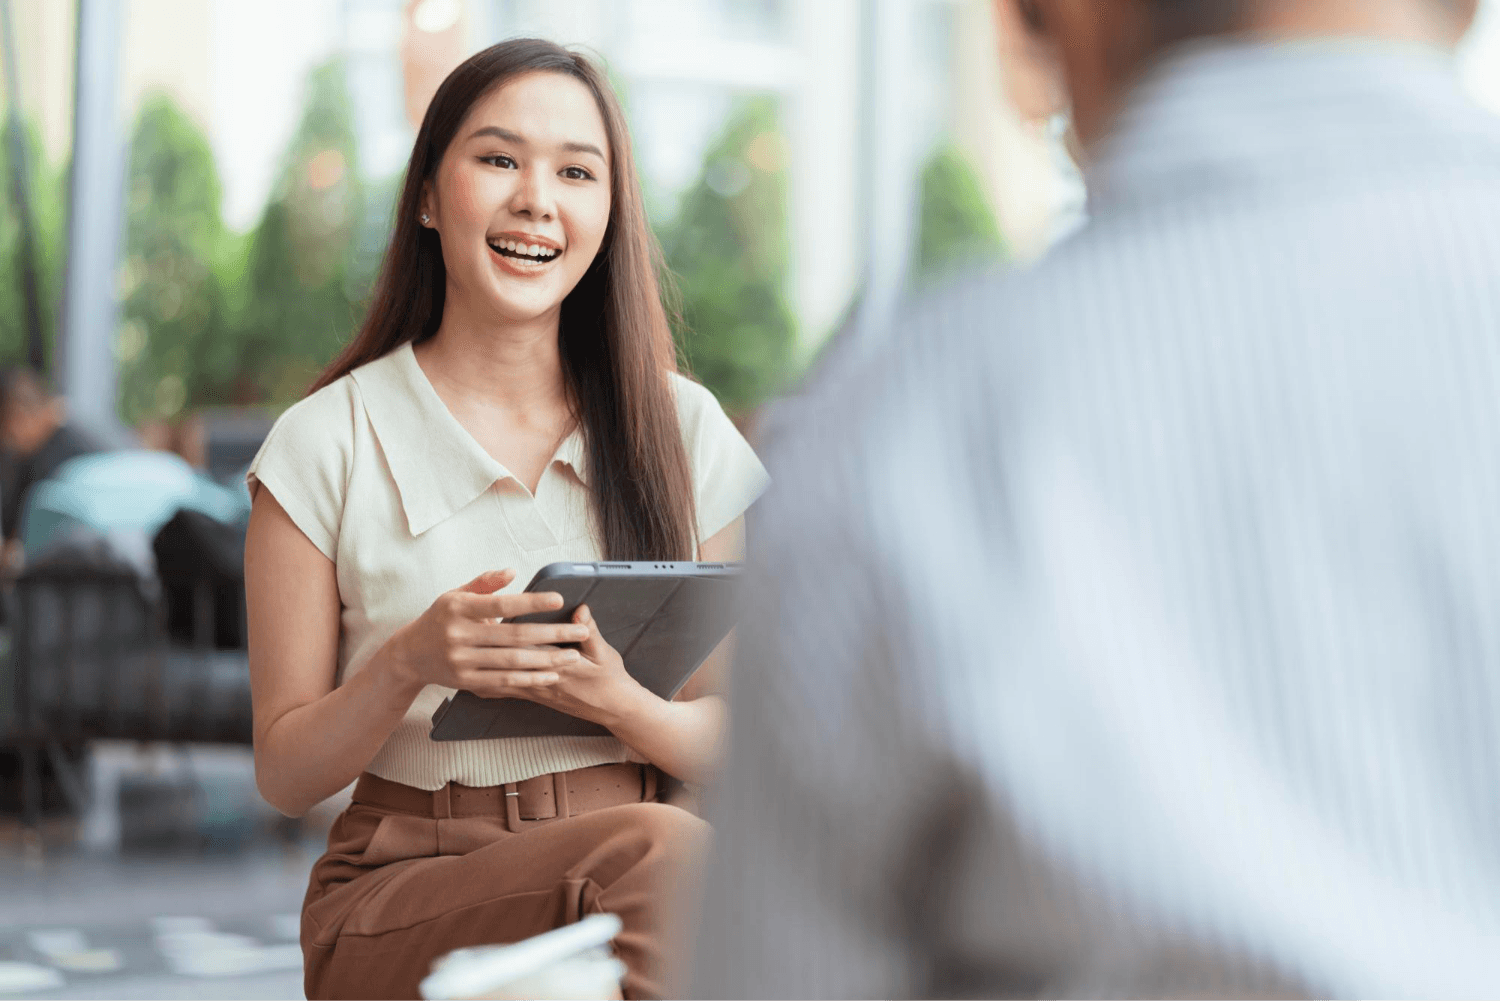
column 312, row 739
column 680, row 738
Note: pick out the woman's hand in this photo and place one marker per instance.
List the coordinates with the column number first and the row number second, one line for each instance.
column 595, row 686
column 457, row 643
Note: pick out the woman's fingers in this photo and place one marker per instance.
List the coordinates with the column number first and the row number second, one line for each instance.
column 509, row 658
column 592, row 646
column 489, row 581
column 509, row 606
column 509, row 671
column 528, row 634
column 499, row 684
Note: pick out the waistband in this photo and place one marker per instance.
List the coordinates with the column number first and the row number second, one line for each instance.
column 525, row 804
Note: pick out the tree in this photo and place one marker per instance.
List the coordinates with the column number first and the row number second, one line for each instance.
column 956, row 228
column 176, row 343
column 728, row 248
column 49, row 215
column 306, row 292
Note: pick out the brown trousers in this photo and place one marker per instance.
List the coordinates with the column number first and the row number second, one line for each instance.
column 411, row 875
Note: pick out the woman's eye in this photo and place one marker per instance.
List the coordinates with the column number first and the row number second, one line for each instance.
column 577, row 174
column 499, row 161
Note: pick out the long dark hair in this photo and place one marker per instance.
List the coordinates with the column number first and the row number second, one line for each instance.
column 614, row 338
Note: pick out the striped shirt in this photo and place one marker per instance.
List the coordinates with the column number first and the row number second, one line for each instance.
column 1131, row 625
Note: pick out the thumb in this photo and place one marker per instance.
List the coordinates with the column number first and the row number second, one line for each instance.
column 594, row 647
column 489, row 582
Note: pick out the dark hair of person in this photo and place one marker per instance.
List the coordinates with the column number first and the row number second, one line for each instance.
column 614, row 337
column 1179, row 20
column 1172, row 21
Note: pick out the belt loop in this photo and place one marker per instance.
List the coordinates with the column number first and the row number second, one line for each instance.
column 442, row 802
column 512, row 808
column 648, row 783
column 560, row 794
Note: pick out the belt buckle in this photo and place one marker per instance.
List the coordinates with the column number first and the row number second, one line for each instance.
column 512, row 808
column 512, row 794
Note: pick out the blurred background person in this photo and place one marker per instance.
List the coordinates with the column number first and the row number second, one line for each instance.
column 186, row 438
column 38, row 438
column 1129, row 627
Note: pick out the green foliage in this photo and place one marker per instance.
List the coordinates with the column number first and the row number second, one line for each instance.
column 729, row 249
column 308, row 287
column 178, row 311
column 210, row 317
column 955, row 228
column 49, row 219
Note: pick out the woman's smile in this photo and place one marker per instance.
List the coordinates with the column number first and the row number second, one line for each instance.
column 523, row 254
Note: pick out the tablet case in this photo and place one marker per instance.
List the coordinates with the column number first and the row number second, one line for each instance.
column 664, row 618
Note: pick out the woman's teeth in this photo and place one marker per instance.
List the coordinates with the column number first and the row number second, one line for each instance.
column 525, row 251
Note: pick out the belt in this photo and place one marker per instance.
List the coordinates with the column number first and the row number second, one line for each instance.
column 529, row 803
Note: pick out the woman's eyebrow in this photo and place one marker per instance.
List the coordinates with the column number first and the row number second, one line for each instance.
column 507, row 135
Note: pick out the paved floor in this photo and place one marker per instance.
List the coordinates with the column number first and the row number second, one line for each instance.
column 179, row 882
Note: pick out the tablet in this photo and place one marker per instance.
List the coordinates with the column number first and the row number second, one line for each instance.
column 664, row 618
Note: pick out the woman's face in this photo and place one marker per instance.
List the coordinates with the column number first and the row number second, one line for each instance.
column 521, row 199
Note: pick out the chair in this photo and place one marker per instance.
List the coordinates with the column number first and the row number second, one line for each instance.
column 90, row 660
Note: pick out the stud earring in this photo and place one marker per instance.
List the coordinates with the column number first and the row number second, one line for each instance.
column 426, row 218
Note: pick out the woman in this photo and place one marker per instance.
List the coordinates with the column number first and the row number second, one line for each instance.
column 511, row 401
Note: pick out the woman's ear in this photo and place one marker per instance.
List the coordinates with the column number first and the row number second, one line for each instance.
column 427, row 207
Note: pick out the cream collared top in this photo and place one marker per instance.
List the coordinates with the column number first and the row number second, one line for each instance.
column 380, row 476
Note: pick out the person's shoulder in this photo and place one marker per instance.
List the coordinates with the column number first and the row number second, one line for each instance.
column 337, row 394
column 308, row 458
column 317, row 430
column 1010, row 328
column 324, row 411
column 692, row 396
column 900, row 392
column 699, row 411
column 928, row 346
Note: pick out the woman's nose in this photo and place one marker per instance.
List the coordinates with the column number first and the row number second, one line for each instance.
column 533, row 195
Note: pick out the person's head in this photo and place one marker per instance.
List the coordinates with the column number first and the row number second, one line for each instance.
column 523, row 145
column 1103, row 46
column 520, row 198
column 28, row 412
column 186, row 437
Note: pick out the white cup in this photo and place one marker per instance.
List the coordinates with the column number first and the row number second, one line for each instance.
column 571, row 963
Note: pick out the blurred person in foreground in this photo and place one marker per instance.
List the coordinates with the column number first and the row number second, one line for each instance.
column 1131, row 626
column 37, row 438
column 512, row 400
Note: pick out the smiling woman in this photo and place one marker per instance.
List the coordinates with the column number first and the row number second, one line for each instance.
column 475, row 150
column 511, row 401
column 524, row 193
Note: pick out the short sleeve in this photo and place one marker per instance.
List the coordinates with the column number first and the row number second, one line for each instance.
column 305, row 462
column 727, row 475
